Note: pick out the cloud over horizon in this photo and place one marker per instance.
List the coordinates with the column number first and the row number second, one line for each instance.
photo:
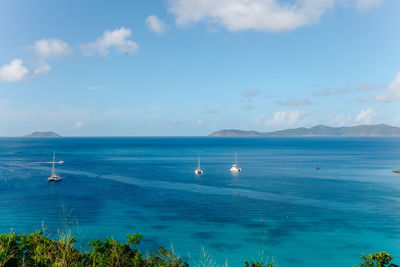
column 366, row 116
column 283, row 119
column 392, row 92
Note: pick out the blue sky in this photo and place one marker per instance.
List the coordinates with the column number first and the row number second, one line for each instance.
column 190, row 67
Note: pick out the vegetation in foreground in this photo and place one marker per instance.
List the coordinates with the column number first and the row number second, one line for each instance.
column 35, row 249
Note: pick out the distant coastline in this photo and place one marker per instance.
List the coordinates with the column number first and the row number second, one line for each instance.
column 43, row 134
column 319, row 130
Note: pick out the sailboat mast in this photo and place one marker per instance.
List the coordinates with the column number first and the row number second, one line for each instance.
column 54, row 159
column 236, row 162
column 198, row 160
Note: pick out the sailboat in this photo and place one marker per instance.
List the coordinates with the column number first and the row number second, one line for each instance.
column 54, row 176
column 198, row 171
column 235, row 167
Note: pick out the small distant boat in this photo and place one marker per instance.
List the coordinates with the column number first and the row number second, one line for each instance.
column 397, row 171
column 198, row 171
column 54, row 176
column 317, row 168
column 235, row 167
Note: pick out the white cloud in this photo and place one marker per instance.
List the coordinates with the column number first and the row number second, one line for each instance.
column 365, row 87
column 51, row 47
column 211, row 111
column 79, row 124
column 116, row 39
column 366, row 4
column 259, row 15
column 340, row 120
column 366, row 116
column 13, row 72
column 360, row 100
column 294, row 102
column 282, row 119
column 392, row 92
column 251, row 93
column 41, row 68
column 397, row 120
column 248, row 106
column 95, row 88
column 330, row 92
column 156, row 25
column 153, row 108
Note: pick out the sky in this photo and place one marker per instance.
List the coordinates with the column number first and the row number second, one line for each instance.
column 191, row 67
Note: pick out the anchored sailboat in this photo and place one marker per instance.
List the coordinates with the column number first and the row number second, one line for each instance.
column 54, row 176
column 235, row 167
column 198, row 171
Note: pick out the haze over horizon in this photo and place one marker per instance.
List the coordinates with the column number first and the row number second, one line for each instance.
column 134, row 68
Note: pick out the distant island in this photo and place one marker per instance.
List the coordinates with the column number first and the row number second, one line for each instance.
column 319, row 130
column 43, row 134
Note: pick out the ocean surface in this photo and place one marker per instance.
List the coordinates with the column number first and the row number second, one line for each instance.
column 279, row 207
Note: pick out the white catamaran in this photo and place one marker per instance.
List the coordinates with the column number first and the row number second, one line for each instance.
column 198, row 171
column 235, row 167
column 54, row 176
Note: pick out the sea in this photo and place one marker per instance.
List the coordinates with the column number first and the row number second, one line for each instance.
column 314, row 201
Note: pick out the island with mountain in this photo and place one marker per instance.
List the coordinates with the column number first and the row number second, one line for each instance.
column 319, row 130
column 43, row 134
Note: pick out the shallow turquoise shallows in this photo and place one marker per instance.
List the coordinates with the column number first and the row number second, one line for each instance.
column 279, row 207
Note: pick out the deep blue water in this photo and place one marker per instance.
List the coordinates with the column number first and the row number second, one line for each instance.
column 279, row 206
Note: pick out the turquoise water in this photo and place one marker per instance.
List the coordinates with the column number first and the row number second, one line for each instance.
column 279, row 205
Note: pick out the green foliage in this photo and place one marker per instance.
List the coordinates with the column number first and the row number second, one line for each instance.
column 113, row 253
column 134, row 239
column 380, row 259
column 35, row 249
column 205, row 259
column 164, row 258
column 256, row 264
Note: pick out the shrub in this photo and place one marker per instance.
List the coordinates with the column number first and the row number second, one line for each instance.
column 380, row 259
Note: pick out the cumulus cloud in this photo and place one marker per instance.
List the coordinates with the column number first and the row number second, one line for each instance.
column 330, row 92
column 366, row 116
column 340, row 120
column 367, row 4
column 392, row 92
column 51, row 47
column 286, row 118
column 156, row 25
column 41, row 68
column 258, row 15
column 116, row 39
column 13, row 72
column 295, row 102
column 211, row 111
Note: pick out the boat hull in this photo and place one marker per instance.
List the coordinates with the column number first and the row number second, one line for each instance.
column 54, row 178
